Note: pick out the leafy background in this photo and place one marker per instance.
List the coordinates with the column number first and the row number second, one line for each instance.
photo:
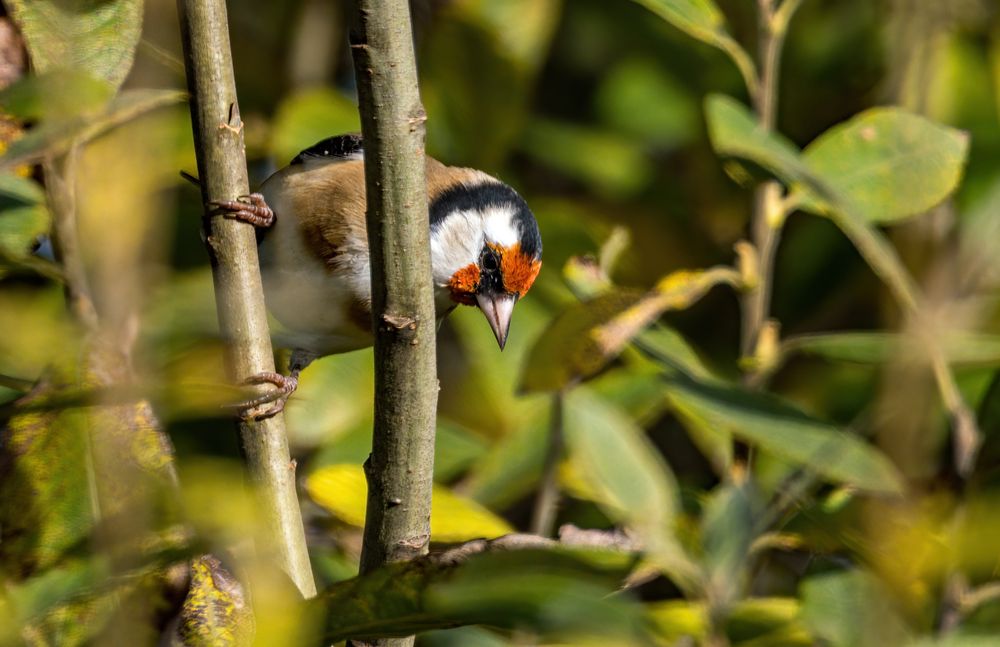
column 835, row 485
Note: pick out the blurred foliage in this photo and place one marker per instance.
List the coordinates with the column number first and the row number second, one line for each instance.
column 837, row 486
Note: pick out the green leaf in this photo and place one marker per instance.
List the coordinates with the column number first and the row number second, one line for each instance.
column 634, row 485
column 670, row 349
column 763, row 619
column 46, row 508
column 586, row 336
column 735, row 132
column 850, row 609
column 727, row 531
column 99, row 36
column 23, row 216
column 776, row 427
column 550, row 591
column 891, row 164
column 966, row 349
column 58, row 94
column 27, row 603
column 58, row 136
column 674, row 620
column 702, row 19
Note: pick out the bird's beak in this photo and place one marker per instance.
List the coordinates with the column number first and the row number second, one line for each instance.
column 498, row 310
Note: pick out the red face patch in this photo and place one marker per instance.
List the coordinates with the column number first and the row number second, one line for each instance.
column 463, row 284
column 519, row 269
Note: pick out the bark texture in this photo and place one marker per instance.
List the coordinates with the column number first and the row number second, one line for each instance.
column 232, row 247
column 400, row 468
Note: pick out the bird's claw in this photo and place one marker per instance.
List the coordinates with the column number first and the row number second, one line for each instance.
column 271, row 403
column 250, row 208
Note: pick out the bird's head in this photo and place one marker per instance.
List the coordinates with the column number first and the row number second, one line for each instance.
column 485, row 248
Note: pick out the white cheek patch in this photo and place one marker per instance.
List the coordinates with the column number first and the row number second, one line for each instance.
column 457, row 240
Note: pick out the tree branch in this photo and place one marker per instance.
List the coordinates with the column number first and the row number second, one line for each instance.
column 232, row 247
column 400, row 468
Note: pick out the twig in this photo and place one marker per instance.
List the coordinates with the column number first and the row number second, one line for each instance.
column 769, row 209
column 60, row 182
column 233, row 250
column 547, row 502
column 400, row 469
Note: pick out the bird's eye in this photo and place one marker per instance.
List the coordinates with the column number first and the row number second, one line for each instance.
column 490, row 263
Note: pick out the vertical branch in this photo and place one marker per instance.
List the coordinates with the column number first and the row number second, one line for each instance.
column 400, row 468
column 546, row 503
column 768, row 210
column 60, row 182
column 232, row 247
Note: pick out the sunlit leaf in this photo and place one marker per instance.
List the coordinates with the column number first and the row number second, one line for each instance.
column 99, row 36
column 877, row 347
column 343, row 491
column 582, row 339
column 762, row 619
column 55, row 137
column 889, row 163
column 732, row 126
column 850, row 609
column 673, row 620
column 699, row 18
column 703, row 20
column 776, row 427
column 553, row 592
column 585, row 277
column 735, row 133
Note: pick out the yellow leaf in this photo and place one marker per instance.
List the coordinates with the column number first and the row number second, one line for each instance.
column 343, row 491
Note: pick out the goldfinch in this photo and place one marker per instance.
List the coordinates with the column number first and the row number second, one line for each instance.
column 313, row 246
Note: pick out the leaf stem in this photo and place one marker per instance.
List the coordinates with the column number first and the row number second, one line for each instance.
column 547, row 502
column 60, row 184
column 769, row 208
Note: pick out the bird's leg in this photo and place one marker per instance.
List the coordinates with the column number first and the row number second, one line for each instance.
column 273, row 403
column 251, row 208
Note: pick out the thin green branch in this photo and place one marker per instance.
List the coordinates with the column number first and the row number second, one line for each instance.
column 60, row 185
column 547, row 502
column 400, row 469
column 769, row 208
column 232, row 245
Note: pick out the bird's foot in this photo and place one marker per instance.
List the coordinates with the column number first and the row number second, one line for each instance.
column 250, row 208
column 271, row 403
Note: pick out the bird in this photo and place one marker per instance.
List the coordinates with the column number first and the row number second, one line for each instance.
column 485, row 248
